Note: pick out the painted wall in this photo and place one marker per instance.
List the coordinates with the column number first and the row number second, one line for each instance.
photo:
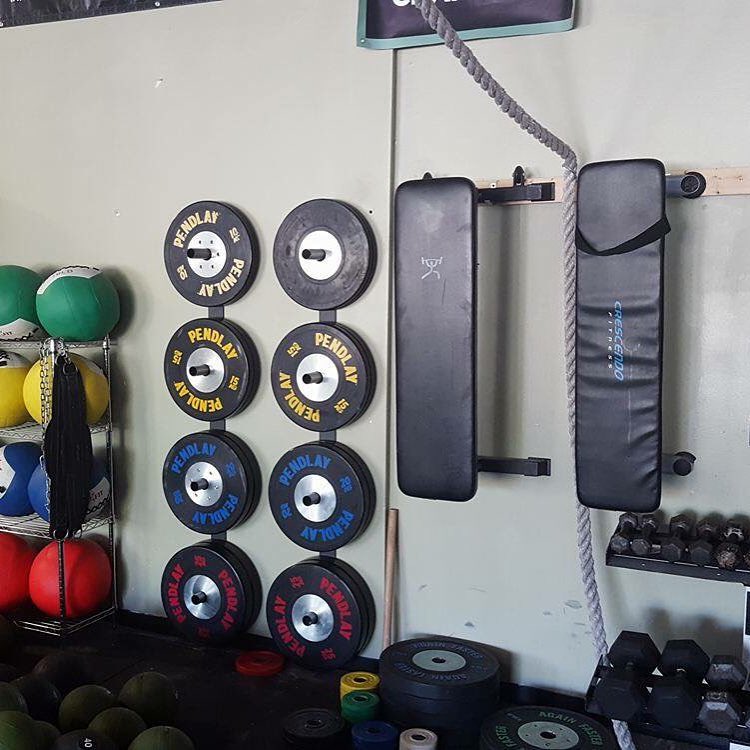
column 110, row 126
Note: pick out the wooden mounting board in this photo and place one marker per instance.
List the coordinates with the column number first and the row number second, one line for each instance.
column 719, row 181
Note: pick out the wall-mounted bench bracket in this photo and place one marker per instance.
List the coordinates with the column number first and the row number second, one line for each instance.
column 519, row 191
column 527, row 467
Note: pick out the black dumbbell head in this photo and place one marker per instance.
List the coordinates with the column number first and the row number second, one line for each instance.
column 707, row 528
column 681, row 524
column 726, row 673
column 675, row 702
column 701, row 552
column 673, row 548
column 720, row 712
column 637, row 650
column 735, row 530
column 620, row 695
column 728, row 555
column 684, row 656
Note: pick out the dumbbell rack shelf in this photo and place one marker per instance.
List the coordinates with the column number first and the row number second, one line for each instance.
column 643, row 724
column 34, row 526
column 681, row 568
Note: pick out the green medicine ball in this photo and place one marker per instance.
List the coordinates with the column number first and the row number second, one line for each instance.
column 162, row 738
column 78, row 303
column 11, row 698
column 18, row 316
column 120, row 724
column 18, row 731
column 46, row 734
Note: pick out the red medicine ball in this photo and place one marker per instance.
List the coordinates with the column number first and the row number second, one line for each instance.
column 16, row 557
column 88, row 578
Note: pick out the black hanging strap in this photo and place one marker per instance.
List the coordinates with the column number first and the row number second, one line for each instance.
column 67, row 451
column 655, row 232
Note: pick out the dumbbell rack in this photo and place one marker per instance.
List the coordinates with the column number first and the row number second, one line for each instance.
column 34, row 526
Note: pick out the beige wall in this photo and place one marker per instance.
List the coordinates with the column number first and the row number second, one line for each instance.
column 110, row 126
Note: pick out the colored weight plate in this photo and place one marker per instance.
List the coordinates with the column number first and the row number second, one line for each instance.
column 353, row 682
column 209, row 592
column 374, row 735
column 259, row 663
column 252, row 466
column 210, row 369
column 455, row 708
column 439, row 668
column 359, row 586
column 315, row 729
column 208, row 484
column 324, row 254
column 321, row 498
column 316, row 616
column 323, row 376
column 364, row 472
column 542, row 728
column 211, row 253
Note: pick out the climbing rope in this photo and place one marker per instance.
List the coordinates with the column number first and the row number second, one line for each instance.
column 440, row 24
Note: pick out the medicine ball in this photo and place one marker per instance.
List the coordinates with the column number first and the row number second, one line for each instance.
column 16, row 558
column 98, row 494
column 78, row 303
column 82, row 705
column 95, row 386
column 17, row 463
column 18, row 317
column 17, row 731
column 151, row 695
column 86, row 739
column 46, row 734
column 41, row 696
column 11, row 698
column 13, row 371
column 88, row 578
column 162, row 738
column 65, row 670
column 120, row 724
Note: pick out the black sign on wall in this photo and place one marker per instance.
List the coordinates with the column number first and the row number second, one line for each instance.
column 22, row 12
column 387, row 24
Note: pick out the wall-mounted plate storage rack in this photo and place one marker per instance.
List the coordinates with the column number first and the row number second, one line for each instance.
column 34, row 526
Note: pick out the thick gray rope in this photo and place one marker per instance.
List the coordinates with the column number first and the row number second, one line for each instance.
column 440, row 24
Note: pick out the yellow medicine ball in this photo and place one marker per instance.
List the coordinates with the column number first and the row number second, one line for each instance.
column 13, row 371
column 95, row 386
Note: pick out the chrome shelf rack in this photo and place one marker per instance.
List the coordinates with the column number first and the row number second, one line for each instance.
column 29, row 618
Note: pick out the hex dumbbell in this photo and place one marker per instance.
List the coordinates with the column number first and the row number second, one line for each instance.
column 674, row 546
column 728, row 553
column 676, row 699
column 701, row 551
column 641, row 544
column 621, row 692
column 721, row 712
column 626, row 528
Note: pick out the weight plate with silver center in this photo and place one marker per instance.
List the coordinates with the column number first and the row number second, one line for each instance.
column 287, row 605
column 211, row 253
column 312, row 618
column 544, row 728
column 210, row 483
column 441, row 669
column 317, row 377
column 211, row 369
column 322, row 496
column 323, row 376
column 211, row 592
column 203, row 484
column 437, row 660
column 548, row 736
column 207, row 254
column 205, row 370
column 202, row 597
column 324, row 254
column 320, row 255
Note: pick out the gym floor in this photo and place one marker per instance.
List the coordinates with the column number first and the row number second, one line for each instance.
column 219, row 708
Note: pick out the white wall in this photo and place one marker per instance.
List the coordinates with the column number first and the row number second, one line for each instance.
column 109, row 126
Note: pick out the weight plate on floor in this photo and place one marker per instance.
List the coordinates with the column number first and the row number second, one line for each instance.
column 324, row 254
column 317, row 616
column 208, row 483
column 323, row 376
column 541, row 728
column 211, row 591
column 320, row 497
column 211, row 253
column 439, row 668
column 211, row 369
column 315, row 729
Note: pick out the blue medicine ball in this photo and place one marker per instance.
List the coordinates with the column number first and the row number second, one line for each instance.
column 17, row 463
column 98, row 494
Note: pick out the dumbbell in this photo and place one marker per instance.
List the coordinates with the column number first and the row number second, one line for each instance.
column 701, row 551
column 674, row 546
column 641, row 544
column 720, row 711
column 676, row 699
column 626, row 528
column 621, row 693
column 728, row 553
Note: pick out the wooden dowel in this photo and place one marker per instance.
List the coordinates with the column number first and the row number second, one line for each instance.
column 391, row 558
